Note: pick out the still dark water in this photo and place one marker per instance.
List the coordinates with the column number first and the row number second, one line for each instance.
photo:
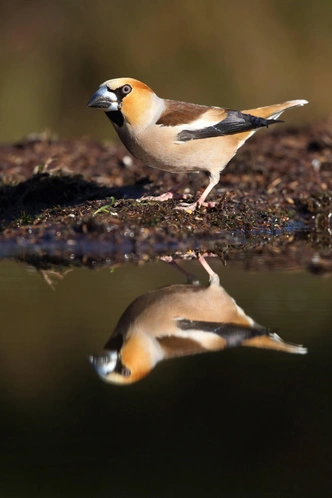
column 238, row 423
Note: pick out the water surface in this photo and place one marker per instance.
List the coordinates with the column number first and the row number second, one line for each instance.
column 241, row 422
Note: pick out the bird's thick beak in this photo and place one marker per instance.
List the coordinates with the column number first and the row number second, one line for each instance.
column 104, row 363
column 104, row 99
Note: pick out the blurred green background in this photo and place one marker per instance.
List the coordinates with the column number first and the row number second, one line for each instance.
column 236, row 54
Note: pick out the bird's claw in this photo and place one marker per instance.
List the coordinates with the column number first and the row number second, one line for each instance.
column 161, row 198
column 189, row 208
column 210, row 204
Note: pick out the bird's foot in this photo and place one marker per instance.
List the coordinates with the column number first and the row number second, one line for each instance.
column 210, row 204
column 166, row 259
column 163, row 197
column 190, row 208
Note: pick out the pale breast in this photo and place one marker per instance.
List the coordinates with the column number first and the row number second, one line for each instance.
column 158, row 147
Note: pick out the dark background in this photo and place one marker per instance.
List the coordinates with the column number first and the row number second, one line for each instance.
column 237, row 54
column 239, row 423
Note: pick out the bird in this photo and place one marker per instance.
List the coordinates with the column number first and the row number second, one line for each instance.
column 179, row 320
column 179, row 136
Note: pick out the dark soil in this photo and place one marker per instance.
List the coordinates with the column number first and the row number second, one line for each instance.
column 78, row 201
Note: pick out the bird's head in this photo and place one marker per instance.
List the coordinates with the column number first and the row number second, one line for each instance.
column 126, row 100
column 129, row 363
column 110, row 368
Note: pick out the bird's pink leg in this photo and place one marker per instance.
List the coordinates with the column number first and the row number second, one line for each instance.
column 213, row 277
column 214, row 179
column 191, row 278
column 167, row 195
column 205, row 265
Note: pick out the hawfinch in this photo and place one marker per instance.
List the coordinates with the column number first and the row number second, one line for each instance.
column 178, row 136
column 179, row 320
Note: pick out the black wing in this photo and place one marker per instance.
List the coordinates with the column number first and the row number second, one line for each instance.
column 235, row 122
column 234, row 334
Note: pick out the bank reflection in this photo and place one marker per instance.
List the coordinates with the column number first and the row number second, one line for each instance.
column 180, row 320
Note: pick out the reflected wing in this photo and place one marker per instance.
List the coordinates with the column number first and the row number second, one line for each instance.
column 191, row 336
column 233, row 334
column 235, row 122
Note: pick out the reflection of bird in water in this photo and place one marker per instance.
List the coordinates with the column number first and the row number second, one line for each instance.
column 179, row 320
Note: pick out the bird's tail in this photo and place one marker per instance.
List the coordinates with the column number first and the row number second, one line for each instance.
column 273, row 341
column 274, row 111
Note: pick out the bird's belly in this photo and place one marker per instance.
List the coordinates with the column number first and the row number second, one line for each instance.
column 166, row 160
column 197, row 155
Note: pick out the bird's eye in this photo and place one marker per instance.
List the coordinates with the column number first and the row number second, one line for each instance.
column 126, row 372
column 126, row 89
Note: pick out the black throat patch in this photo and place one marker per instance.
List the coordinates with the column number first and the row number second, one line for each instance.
column 116, row 117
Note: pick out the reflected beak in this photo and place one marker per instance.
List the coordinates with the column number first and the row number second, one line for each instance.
column 104, row 363
column 104, row 99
